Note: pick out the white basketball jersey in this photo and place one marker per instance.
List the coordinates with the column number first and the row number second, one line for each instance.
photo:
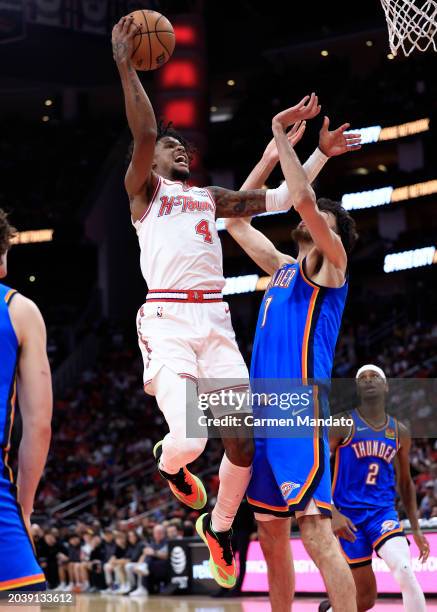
column 179, row 242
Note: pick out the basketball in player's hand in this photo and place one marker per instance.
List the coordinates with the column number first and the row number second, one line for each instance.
column 154, row 41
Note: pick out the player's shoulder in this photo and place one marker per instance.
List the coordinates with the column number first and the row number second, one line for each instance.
column 25, row 315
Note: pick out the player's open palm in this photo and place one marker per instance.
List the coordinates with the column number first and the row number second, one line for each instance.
column 294, row 135
column 307, row 108
column 423, row 546
column 337, row 142
column 123, row 39
column 343, row 527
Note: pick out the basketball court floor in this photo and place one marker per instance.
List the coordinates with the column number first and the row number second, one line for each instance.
column 108, row 603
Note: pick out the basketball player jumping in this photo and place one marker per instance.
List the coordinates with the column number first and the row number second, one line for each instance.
column 296, row 334
column 25, row 372
column 369, row 458
column 184, row 328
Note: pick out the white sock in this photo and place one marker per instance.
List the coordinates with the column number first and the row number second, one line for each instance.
column 233, row 484
column 171, row 395
column 395, row 552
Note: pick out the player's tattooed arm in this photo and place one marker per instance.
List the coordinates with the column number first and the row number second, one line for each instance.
column 139, row 112
column 238, row 203
column 407, row 490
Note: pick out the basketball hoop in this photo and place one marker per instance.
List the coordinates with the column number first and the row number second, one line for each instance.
column 412, row 24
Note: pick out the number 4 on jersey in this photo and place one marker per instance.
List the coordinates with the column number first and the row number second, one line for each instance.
column 202, row 228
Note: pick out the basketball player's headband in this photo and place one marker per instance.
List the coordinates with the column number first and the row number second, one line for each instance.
column 373, row 368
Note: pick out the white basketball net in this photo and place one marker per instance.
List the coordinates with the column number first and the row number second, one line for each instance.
column 412, row 24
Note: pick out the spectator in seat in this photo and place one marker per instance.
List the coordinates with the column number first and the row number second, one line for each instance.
column 156, row 557
column 115, row 563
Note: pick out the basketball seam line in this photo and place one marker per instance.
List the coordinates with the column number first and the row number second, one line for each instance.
column 162, row 44
column 150, row 42
column 156, row 32
column 137, row 47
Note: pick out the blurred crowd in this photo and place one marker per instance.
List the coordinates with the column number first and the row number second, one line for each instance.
column 123, row 559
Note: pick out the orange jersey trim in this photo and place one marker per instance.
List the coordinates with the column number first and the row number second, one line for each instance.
column 254, row 502
column 9, row 294
column 322, row 504
column 384, row 535
column 352, row 561
column 336, row 469
column 316, row 464
column 306, row 335
column 26, row 580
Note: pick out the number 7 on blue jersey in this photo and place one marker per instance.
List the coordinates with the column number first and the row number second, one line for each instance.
column 266, row 307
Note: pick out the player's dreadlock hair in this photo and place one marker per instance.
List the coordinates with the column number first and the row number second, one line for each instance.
column 345, row 223
column 7, row 232
column 166, row 129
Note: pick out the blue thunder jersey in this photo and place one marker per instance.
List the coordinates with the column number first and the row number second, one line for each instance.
column 295, row 341
column 297, row 327
column 19, row 569
column 364, row 476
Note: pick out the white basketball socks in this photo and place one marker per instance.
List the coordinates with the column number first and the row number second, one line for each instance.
column 396, row 554
column 233, row 484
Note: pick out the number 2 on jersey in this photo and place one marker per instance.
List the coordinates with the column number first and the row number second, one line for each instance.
column 202, row 228
column 266, row 307
column 372, row 474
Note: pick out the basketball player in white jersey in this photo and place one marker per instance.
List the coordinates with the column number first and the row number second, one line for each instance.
column 184, row 327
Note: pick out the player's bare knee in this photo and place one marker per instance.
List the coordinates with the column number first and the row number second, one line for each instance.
column 366, row 600
column 239, row 451
column 273, row 537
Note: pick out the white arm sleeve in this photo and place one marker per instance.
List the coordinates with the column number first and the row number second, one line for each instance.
column 314, row 164
column 279, row 198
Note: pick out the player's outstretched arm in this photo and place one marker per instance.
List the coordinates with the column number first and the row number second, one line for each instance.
column 251, row 202
column 34, row 387
column 407, row 490
column 139, row 110
column 304, row 200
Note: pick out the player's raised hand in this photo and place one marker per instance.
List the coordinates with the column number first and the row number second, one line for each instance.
column 343, row 527
column 307, row 108
column 422, row 544
column 122, row 39
column 337, row 142
column 271, row 154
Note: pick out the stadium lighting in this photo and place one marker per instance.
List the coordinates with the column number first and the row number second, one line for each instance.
column 32, row 236
column 231, row 82
column 45, row 118
column 324, row 53
column 369, row 43
column 387, row 195
column 48, row 102
column 406, row 260
column 247, row 283
column 376, row 133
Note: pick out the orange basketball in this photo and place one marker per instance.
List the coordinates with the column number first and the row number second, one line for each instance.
column 154, row 42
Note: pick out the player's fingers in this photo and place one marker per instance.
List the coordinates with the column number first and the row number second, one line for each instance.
column 302, row 102
column 349, row 535
column 351, row 524
column 353, row 147
column 343, row 127
column 294, row 129
column 352, row 135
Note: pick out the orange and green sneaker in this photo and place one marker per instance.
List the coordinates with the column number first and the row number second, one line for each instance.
column 221, row 558
column 186, row 487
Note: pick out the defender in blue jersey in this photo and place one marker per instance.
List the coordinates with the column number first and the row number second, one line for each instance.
column 370, row 457
column 295, row 340
column 24, row 373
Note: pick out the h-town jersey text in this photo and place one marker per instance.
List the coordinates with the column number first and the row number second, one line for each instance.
column 179, row 242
